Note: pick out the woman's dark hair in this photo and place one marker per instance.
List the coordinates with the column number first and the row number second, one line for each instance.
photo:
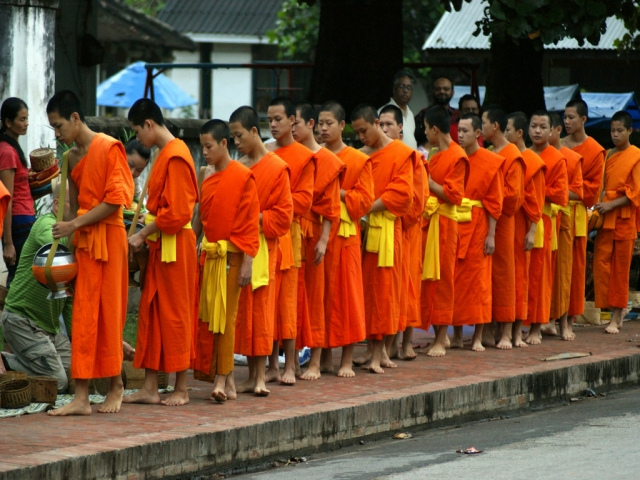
column 134, row 145
column 9, row 111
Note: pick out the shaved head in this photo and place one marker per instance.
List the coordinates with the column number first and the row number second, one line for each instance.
column 364, row 111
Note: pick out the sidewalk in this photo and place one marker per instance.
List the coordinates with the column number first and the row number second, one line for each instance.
column 153, row 441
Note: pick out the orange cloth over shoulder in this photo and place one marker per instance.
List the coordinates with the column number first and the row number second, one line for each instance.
column 100, row 297
column 472, row 288
column 256, row 309
column 449, row 168
column 5, row 198
column 392, row 168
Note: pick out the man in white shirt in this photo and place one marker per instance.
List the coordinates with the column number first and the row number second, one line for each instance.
column 402, row 92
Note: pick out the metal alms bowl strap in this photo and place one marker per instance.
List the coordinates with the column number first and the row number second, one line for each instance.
column 59, row 216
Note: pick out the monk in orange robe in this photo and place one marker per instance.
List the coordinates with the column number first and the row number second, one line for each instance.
column 168, row 309
column 316, row 227
column 494, row 123
column 392, row 167
column 282, row 116
column 391, row 124
column 229, row 215
column 99, row 185
column 481, row 209
column 592, row 153
column 527, row 218
column 619, row 205
column 566, row 233
column 343, row 295
column 556, row 196
column 256, row 308
column 5, row 198
column 448, row 173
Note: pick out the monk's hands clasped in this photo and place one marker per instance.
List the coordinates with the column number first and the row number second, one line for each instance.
column 603, row 207
column 63, row 229
column 246, row 269
column 135, row 242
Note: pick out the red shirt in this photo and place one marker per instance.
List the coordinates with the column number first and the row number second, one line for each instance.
column 22, row 200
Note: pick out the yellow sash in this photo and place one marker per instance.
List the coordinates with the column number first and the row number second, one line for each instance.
column 579, row 219
column 347, row 226
column 551, row 210
column 465, row 209
column 260, row 271
column 538, row 239
column 168, row 244
column 380, row 236
column 432, row 211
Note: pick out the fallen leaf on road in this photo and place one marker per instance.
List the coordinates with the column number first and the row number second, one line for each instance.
column 402, row 436
column 566, row 356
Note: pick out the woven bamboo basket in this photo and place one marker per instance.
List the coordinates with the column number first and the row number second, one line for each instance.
column 15, row 393
column 134, row 376
column 7, row 377
column 44, row 389
column 163, row 380
column 42, row 158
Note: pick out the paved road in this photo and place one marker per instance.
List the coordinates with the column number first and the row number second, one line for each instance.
column 597, row 438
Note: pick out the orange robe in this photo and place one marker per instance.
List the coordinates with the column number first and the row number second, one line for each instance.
column 615, row 240
column 256, row 308
column 472, row 288
column 302, row 164
column 530, row 211
column 503, row 262
column 230, row 209
column 100, row 298
column 541, row 267
column 566, row 232
column 5, row 198
column 592, row 167
column 344, row 296
column 311, row 281
column 449, row 168
column 169, row 300
column 392, row 168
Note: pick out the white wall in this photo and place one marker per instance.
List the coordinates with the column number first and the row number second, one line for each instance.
column 231, row 88
column 186, row 78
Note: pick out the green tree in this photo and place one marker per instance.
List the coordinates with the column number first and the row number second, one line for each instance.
column 150, row 7
column 296, row 30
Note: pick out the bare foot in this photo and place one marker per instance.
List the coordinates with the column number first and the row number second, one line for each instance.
column 504, row 344
column 176, row 399
column 219, row 396
column 436, row 350
column 346, row 372
column 246, row 387
column 272, row 375
column 298, row 369
column 456, row 341
column 261, row 391
column 362, row 359
column 393, row 349
column 516, row 333
column 488, row 340
column 519, row 343
column 533, row 339
column 143, row 396
column 385, row 361
column 612, row 328
column 76, row 407
column 408, row 353
column 311, row 373
column 549, row 329
column 476, row 345
column 326, row 368
column 376, row 369
column 288, row 377
column 447, row 343
column 230, row 388
column 113, row 401
column 567, row 334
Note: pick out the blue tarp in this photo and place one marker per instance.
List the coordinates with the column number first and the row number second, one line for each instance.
column 602, row 106
column 127, row 86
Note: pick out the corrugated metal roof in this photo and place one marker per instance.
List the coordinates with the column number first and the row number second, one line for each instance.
column 222, row 17
column 455, row 31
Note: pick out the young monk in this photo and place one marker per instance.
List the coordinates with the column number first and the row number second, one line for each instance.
column 229, row 214
column 392, row 166
column 316, row 227
column 281, row 115
column 556, row 196
column 168, row 303
column 256, row 308
column 527, row 218
column 566, row 233
column 494, row 123
column 391, row 124
column 477, row 218
column 344, row 296
column 448, row 172
column 576, row 113
column 619, row 203
column 99, row 185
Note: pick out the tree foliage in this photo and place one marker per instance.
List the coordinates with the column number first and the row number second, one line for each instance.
column 296, row 30
column 150, row 7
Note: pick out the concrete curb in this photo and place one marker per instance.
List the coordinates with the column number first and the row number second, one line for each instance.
column 236, row 443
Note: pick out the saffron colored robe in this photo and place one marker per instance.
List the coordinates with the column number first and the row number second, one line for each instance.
column 449, row 168
column 503, row 260
column 392, row 168
column 344, row 295
column 100, row 296
column 472, row 288
column 592, row 155
column 5, row 198
column 541, row 267
column 256, row 308
column 301, row 161
column 615, row 240
column 230, row 209
column 169, row 300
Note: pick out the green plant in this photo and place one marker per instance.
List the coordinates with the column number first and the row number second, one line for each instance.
column 296, row 31
column 127, row 134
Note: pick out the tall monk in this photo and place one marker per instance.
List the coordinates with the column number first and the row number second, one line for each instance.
column 168, row 308
column 576, row 113
column 527, row 218
column 281, row 115
column 316, row 228
column 391, row 124
column 567, row 230
column 99, row 185
column 619, row 203
column 477, row 219
column 392, row 166
column 256, row 308
column 556, row 196
column 344, row 296
column 229, row 215
column 448, row 172
column 494, row 123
